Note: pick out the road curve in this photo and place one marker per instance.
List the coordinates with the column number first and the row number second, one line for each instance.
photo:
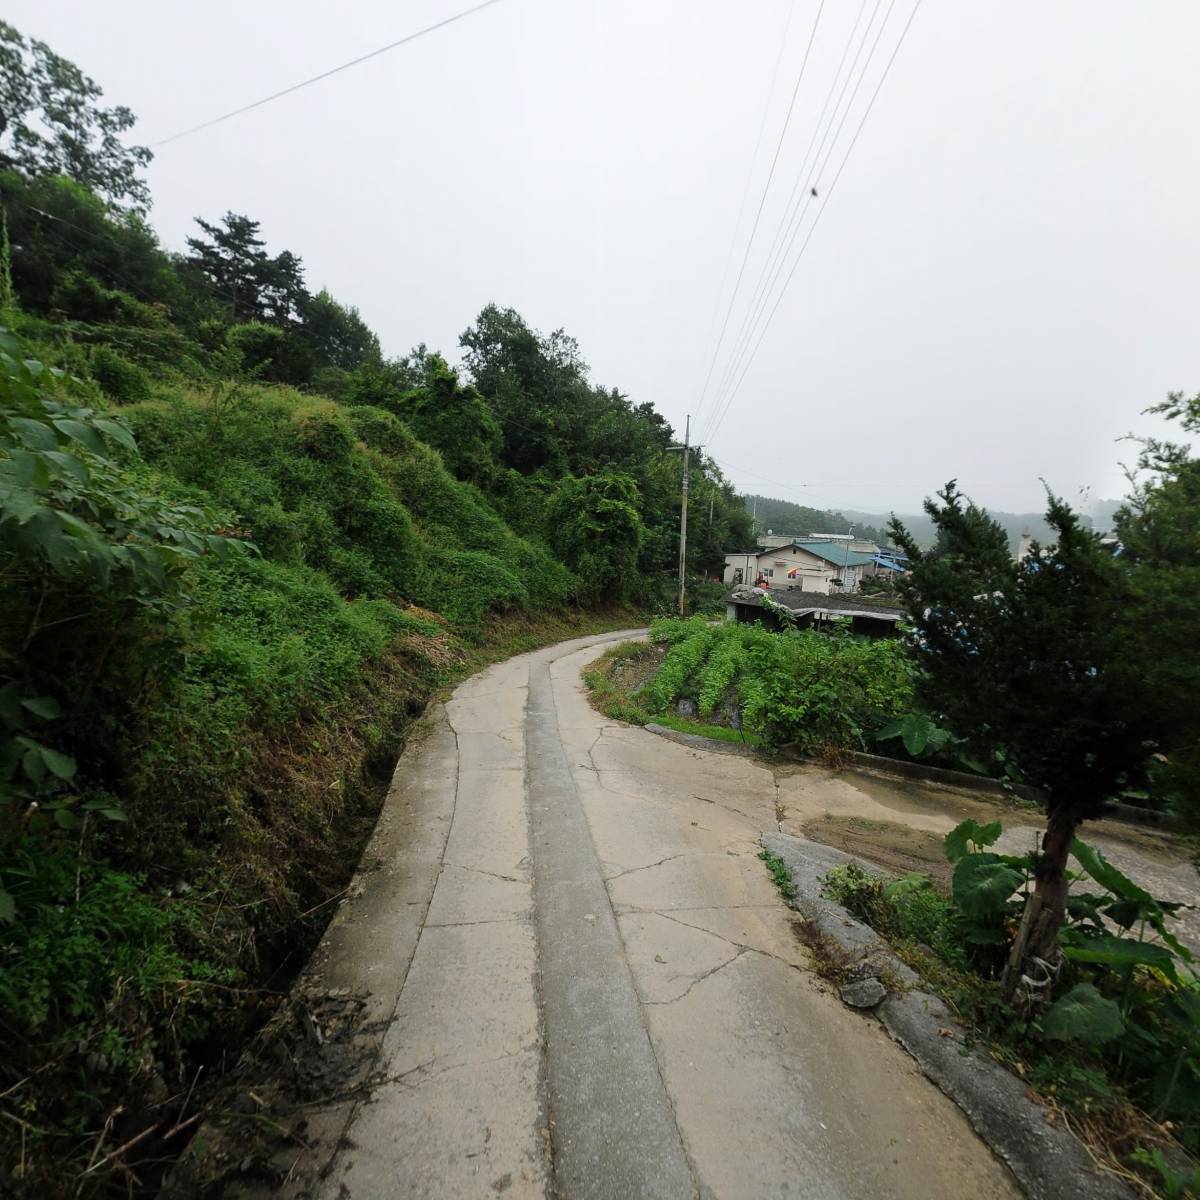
column 580, row 982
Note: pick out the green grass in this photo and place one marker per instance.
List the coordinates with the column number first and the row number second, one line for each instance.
column 780, row 875
column 720, row 733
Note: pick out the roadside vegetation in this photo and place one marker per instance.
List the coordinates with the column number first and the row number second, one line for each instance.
column 814, row 693
column 240, row 548
column 1116, row 1048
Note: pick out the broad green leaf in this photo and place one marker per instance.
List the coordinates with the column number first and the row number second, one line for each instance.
column 37, row 435
column 35, row 768
column 971, row 763
column 66, row 819
column 70, row 465
column 117, row 432
column 1111, row 951
column 983, row 883
column 1124, row 913
column 1106, row 875
column 1083, row 1015
column 77, row 528
column 85, row 435
column 906, row 884
column 916, row 733
column 45, row 707
column 957, row 841
column 891, row 730
column 61, row 765
column 21, row 506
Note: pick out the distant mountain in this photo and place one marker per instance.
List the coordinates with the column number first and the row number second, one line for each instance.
column 1014, row 524
column 782, row 516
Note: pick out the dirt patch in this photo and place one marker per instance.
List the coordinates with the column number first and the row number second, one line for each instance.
column 629, row 673
column 897, row 848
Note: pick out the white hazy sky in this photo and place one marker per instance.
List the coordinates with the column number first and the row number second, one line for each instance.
column 1005, row 275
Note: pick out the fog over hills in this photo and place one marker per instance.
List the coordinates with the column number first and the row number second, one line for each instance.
column 783, row 516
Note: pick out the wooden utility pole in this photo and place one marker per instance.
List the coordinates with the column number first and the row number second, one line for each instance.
column 683, row 518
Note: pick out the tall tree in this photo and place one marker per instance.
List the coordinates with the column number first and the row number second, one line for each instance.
column 255, row 286
column 1159, row 532
column 1028, row 656
column 595, row 527
column 52, row 124
column 337, row 335
column 57, row 226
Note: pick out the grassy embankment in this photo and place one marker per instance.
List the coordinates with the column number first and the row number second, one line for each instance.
column 232, row 733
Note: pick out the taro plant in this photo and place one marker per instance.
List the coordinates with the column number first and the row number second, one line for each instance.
column 1130, row 998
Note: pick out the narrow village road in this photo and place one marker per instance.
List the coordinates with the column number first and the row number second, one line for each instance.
column 587, row 986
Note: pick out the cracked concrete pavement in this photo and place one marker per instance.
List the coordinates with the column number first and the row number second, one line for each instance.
column 587, row 986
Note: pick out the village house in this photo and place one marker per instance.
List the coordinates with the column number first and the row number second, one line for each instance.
column 783, row 566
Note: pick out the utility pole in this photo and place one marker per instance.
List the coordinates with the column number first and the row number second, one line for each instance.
column 687, row 435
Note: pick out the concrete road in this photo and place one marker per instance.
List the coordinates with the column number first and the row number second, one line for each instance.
column 585, row 985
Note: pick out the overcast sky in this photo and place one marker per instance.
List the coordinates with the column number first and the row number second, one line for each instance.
column 1005, row 274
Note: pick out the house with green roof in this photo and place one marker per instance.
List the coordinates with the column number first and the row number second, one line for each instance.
column 849, row 566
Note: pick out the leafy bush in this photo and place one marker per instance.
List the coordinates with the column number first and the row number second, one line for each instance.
column 816, row 692
column 907, row 909
column 682, row 663
column 122, row 381
column 1118, row 1025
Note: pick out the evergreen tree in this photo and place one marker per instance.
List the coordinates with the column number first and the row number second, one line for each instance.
column 1028, row 657
column 1159, row 532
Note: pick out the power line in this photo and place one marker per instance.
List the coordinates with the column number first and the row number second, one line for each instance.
column 763, row 199
column 801, row 197
column 711, row 433
column 354, row 62
column 762, row 128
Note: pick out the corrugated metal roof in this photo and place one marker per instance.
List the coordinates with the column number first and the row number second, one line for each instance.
column 838, row 555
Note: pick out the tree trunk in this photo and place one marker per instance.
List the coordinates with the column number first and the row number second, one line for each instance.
column 1035, row 958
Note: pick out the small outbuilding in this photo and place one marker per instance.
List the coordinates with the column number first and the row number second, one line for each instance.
column 868, row 616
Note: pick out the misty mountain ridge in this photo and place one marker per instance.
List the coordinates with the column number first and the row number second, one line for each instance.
column 783, row 516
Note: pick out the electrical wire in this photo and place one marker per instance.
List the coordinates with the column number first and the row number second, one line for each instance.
column 762, row 128
column 801, row 196
column 711, row 433
column 354, row 62
column 763, row 198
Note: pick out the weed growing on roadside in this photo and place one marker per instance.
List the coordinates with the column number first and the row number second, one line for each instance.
column 781, row 876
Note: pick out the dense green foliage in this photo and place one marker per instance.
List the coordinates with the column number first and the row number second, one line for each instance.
column 53, row 125
column 1159, row 531
column 1123, row 1028
column 815, row 692
column 1047, row 633
column 238, row 548
column 798, row 520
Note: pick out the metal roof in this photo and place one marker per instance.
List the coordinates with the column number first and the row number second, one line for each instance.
column 838, row 555
column 800, row 602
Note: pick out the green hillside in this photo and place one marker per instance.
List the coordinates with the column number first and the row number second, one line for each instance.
column 240, row 546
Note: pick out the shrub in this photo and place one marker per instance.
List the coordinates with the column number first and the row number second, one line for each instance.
column 121, row 380
column 816, row 692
